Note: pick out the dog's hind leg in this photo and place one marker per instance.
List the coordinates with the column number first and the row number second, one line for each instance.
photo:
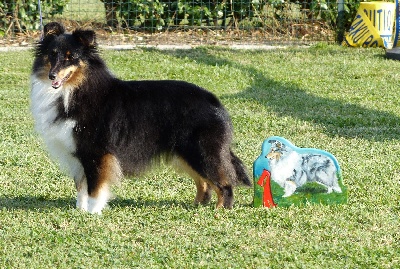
column 99, row 180
column 210, row 157
column 225, row 195
column 219, row 173
column 204, row 189
column 230, row 172
column 210, row 175
column 224, row 171
column 220, row 185
column 203, row 195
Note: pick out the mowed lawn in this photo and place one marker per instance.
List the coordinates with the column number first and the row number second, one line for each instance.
column 345, row 101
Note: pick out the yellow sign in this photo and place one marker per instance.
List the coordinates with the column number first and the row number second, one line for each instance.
column 372, row 26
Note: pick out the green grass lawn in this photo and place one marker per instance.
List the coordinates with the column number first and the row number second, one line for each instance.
column 345, row 101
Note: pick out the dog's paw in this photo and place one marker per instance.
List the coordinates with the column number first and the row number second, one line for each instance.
column 96, row 205
column 82, row 205
column 82, row 201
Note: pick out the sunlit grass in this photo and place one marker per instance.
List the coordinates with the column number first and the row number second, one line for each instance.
column 345, row 101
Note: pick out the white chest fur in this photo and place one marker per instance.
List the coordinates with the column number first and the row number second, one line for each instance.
column 57, row 134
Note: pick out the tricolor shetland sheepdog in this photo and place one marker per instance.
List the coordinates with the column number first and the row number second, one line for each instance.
column 100, row 128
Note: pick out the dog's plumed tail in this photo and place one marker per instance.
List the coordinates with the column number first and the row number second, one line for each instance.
column 242, row 178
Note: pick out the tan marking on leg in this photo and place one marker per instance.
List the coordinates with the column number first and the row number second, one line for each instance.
column 224, row 199
column 109, row 173
column 220, row 201
column 203, row 194
column 223, row 182
column 203, row 185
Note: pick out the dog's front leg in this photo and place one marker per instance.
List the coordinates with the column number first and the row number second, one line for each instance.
column 83, row 196
column 100, row 174
column 96, row 203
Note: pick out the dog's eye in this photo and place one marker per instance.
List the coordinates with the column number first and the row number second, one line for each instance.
column 69, row 56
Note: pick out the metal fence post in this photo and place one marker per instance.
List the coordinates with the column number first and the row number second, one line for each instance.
column 340, row 21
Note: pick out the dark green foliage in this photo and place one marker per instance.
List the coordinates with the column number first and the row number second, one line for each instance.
column 161, row 14
column 21, row 15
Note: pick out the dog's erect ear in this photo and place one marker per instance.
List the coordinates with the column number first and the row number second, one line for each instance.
column 86, row 37
column 53, row 29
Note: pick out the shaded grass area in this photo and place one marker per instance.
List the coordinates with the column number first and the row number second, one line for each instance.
column 339, row 99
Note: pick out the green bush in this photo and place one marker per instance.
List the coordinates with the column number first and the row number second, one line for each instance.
column 330, row 12
column 136, row 13
column 159, row 14
column 311, row 10
column 21, row 15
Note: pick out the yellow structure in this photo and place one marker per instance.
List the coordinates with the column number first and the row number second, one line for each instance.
column 372, row 26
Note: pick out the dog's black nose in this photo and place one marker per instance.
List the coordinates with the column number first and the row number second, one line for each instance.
column 52, row 76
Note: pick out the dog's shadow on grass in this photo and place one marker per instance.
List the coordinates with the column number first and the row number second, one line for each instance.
column 133, row 203
column 187, row 205
column 337, row 117
column 41, row 203
column 35, row 203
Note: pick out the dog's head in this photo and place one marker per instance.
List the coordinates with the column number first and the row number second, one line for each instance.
column 277, row 150
column 62, row 57
column 274, row 155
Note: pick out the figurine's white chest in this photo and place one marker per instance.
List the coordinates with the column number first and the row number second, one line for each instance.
column 56, row 132
column 283, row 168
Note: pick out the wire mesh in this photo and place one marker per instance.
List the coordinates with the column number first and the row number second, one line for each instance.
column 120, row 22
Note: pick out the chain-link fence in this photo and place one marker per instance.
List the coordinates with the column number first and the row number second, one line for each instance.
column 180, row 21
